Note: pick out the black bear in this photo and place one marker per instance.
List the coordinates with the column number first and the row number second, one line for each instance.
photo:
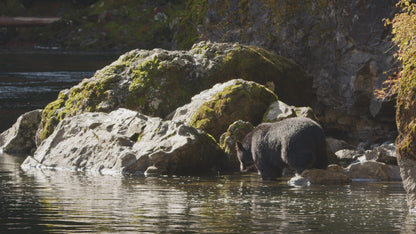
column 296, row 143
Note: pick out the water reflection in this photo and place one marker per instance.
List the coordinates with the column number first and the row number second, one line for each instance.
column 80, row 202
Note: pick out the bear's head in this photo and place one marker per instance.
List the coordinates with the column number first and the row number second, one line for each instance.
column 245, row 158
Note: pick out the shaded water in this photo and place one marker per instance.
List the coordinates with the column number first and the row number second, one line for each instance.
column 56, row 201
column 31, row 79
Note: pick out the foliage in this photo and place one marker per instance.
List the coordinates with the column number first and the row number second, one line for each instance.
column 404, row 36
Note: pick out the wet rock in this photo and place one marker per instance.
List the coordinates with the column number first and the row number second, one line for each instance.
column 235, row 132
column 373, row 171
column 20, row 138
column 280, row 110
column 385, row 153
column 334, row 174
column 156, row 82
column 215, row 109
column 347, row 156
column 124, row 141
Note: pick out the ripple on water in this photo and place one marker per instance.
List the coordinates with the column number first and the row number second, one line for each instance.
column 59, row 201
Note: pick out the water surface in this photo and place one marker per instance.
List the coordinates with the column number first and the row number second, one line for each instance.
column 56, row 201
column 31, row 79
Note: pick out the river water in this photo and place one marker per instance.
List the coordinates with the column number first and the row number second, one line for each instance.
column 31, row 79
column 62, row 202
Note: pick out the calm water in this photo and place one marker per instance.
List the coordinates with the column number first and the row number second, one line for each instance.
column 53, row 201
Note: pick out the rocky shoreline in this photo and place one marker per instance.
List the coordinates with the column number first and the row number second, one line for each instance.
column 105, row 124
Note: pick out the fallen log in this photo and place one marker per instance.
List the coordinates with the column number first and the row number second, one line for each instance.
column 27, row 21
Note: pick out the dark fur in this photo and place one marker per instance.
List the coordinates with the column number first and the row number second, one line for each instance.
column 297, row 143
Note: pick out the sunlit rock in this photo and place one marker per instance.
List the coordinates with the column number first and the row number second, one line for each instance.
column 124, row 141
column 213, row 110
column 279, row 110
column 373, row 171
column 385, row 153
column 156, row 82
column 20, row 138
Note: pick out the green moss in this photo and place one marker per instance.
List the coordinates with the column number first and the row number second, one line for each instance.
column 84, row 97
column 259, row 65
column 157, row 89
column 239, row 101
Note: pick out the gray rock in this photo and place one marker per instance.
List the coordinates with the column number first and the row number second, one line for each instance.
column 347, row 156
column 20, row 138
column 124, row 141
column 373, row 171
column 385, row 153
column 408, row 172
column 279, row 110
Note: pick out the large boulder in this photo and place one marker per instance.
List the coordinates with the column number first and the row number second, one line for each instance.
column 213, row 110
column 20, row 138
column 156, row 82
column 124, row 141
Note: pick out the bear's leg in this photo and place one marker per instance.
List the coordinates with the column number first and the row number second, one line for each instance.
column 268, row 171
column 301, row 160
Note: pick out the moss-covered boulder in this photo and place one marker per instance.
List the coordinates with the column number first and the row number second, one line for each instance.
column 156, row 82
column 406, row 141
column 215, row 109
column 235, row 132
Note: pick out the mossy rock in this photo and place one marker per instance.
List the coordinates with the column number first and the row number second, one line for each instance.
column 406, row 119
column 156, row 82
column 235, row 132
column 215, row 109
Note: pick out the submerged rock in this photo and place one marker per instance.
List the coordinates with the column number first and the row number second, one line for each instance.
column 20, row 138
column 156, row 82
column 213, row 110
column 124, row 141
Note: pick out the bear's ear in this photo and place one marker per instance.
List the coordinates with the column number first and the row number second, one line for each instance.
column 239, row 146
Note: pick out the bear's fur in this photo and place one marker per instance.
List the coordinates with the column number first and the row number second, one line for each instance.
column 295, row 143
